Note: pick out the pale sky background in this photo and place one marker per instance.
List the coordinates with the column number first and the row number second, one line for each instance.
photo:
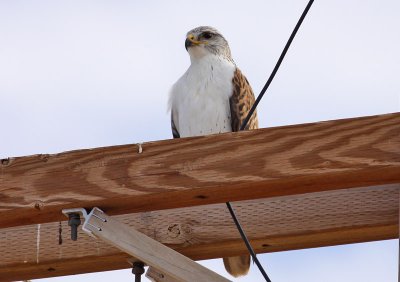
column 83, row 74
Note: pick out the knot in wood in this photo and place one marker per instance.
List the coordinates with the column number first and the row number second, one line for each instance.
column 174, row 230
column 179, row 230
column 44, row 157
column 38, row 205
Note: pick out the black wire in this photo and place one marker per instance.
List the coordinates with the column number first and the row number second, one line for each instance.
column 278, row 63
column 246, row 241
column 246, row 120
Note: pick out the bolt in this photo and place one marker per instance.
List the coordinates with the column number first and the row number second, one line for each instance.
column 138, row 270
column 74, row 220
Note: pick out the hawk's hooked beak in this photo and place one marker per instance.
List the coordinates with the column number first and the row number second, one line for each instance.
column 190, row 41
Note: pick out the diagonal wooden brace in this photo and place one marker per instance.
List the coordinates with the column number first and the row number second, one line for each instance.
column 167, row 261
column 156, row 276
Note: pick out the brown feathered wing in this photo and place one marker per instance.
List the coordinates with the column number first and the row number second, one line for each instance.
column 241, row 101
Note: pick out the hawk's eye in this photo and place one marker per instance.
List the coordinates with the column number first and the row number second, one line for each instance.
column 207, row 35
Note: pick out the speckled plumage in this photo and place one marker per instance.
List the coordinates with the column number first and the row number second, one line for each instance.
column 212, row 96
column 241, row 101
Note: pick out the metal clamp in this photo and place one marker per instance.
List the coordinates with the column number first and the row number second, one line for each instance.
column 74, row 220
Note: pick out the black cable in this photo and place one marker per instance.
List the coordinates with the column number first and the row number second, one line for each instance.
column 277, row 65
column 246, row 241
column 246, row 120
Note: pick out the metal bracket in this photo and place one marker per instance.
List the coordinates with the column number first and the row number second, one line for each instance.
column 74, row 220
column 87, row 226
column 81, row 211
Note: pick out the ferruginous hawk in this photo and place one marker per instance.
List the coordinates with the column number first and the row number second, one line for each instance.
column 212, row 96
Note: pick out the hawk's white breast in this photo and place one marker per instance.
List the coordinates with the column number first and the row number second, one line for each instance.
column 199, row 100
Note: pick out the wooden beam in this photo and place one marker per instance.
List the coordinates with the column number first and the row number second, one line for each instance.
column 204, row 232
column 186, row 172
column 106, row 262
column 27, row 271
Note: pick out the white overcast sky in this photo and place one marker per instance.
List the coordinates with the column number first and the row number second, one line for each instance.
column 83, row 74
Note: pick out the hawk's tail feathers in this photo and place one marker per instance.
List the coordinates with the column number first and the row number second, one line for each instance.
column 237, row 266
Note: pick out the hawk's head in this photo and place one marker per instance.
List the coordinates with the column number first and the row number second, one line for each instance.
column 204, row 40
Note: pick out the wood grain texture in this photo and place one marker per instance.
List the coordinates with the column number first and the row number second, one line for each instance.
column 157, row 276
column 186, row 172
column 203, row 232
column 106, row 262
